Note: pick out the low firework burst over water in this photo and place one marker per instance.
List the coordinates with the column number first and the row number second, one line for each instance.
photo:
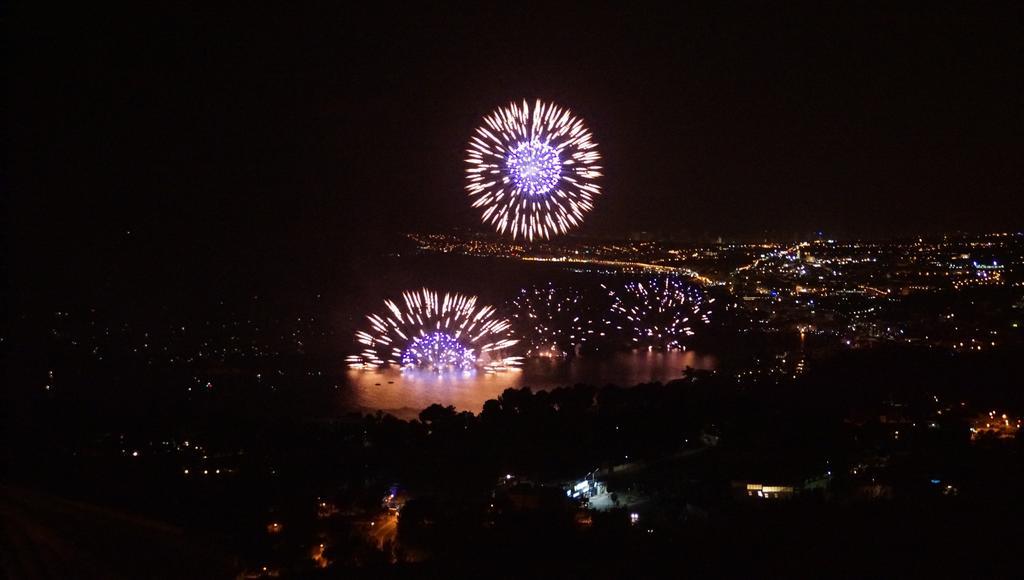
column 435, row 333
column 658, row 312
column 533, row 170
column 551, row 319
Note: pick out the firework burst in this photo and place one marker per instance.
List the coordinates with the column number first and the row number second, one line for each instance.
column 551, row 319
column 435, row 333
column 660, row 312
column 533, row 171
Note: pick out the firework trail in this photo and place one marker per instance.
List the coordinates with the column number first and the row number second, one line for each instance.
column 532, row 170
column 659, row 312
column 551, row 319
column 436, row 333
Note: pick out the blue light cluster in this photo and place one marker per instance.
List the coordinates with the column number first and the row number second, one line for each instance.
column 438, row 351
column 534, row 167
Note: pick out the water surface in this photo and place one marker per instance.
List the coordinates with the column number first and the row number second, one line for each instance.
column 405, row 393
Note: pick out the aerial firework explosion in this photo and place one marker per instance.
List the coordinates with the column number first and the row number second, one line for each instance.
column 660, row 312
column 551, row 319
column 436, row 334
column 533, row 170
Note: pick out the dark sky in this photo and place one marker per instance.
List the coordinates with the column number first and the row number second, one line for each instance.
column 181, row 140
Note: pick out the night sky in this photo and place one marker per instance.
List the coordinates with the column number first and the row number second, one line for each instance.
column 186, row 142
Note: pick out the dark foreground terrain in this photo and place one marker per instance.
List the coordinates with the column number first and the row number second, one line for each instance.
column 877, row 463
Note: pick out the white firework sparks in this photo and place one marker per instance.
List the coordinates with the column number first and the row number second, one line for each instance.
column 551, row 319
column 436, row 333
column 533, row 171
column 661, row 312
